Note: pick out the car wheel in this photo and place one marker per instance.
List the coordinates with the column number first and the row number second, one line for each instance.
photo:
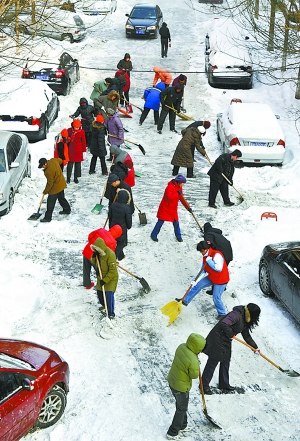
column 264, row 279
column 67, row 89
column 28, row 168
column 67, row 37
column 218, row 134
column 53, row 407
column 11, row 200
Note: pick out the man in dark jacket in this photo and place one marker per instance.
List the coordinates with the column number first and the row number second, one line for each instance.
column 218, row 343
column 115, row 185
column 171, row 97
column 98, row 147
column 222, row 168
column 213, row 236
column 165, row 39
column 55, row 187
column 87, row 113
column 120, row 214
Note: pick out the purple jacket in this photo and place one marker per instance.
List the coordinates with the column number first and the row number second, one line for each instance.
column 114, row 126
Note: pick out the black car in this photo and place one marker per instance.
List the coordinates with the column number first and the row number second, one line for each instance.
column 144, row 21
column 279, row 274
column 60, row 78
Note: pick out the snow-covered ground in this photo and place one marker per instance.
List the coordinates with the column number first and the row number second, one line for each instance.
column 118, row 387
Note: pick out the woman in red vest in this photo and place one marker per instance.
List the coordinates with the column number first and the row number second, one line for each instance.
column 217, row 275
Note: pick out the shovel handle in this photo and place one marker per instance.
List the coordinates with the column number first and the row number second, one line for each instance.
column 202, row 391
column 137, row 208
column 191, row 285
column 201, row 229
column 103, row 290
column 128, row 272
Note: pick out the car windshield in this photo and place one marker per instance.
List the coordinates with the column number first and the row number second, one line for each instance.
column 143, row 13
column 9, row 362
column 2, row 162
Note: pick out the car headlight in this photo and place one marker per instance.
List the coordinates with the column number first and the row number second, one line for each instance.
column 129, row 27
column 151, row 28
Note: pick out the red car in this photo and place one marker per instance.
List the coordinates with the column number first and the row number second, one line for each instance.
column 34, row 382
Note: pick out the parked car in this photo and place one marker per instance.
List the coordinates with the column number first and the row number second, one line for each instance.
column 227, row 59
column 60, row 78
column 254, row 130
column 211, row 2
column 34, row 382
column 92, row 7
column 144, row 21
column 279, row 274
column 54, row 23
column 15, row 165
column 28, row 107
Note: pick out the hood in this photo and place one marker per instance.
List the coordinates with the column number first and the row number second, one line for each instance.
column 156, row 69
column 207, row 227
column 83, row 100
column 142, row 21
column 123, row 196
column 160, row 86
column 164, row 25
column 97, row 125
column 31, row 353
column 112, row 94
column 115, row 150
column 196, row 343
column 116, row 231
column 101, row 247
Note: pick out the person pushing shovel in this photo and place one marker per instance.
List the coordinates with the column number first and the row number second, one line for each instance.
column 184, row 369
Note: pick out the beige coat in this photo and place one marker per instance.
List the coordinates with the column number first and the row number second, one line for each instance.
column 55, row 178
column 183, row 156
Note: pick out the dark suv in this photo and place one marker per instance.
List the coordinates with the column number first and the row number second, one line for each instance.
column 144, row 21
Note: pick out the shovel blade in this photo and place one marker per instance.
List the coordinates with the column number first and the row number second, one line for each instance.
column 97, row 209
column 142, row 149
column 143, row 218
column 292, row 373
column 137, row 174
column 35, row 216
column 172, row 310
column 145, row 284
column 211, row 420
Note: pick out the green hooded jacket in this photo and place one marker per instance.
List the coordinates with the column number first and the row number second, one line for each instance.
column 185, row 366
column 108, row 265
column 99, row 87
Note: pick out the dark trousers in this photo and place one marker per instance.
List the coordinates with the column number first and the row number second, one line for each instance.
column 160, row 223
column 209, row 370
column 86, row 272
column 189, row 171
column 180, row 417
column 110, row 301
column 94, row 162
column 121, row 244
column 51, row 201
column 145, row 114
column 77, row 170
column 162, row 118
column 164, row 47
column 214, row 187
column 88, row 136
column 126, row 95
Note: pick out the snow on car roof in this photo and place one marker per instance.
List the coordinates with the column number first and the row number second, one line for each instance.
column 15, row 94
column 254, row 119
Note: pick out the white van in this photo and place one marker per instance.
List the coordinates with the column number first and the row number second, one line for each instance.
column 55, row 23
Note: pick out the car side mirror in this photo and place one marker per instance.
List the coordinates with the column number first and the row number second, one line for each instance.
column 14, row 165
column 127, row 15
column 277, row 116
column 27, row 384
column 75, row 60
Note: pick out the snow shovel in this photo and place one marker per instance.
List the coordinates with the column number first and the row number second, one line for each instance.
column 210, row 419
column 173, row 308
column 143, row 282
column 133, row 105
column 241, row 197
column 123, row 112
column 108, row 321
column 290, row 373
column 98, row 207
column 130, row 142
column 201, row 229
column 35, row 216
column 142, row 216
column 181, row 115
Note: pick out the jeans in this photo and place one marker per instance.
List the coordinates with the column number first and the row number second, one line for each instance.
column 217, row 294
column 110, row 301
column 160, row 223
column 51, row 201
column 145, row 114
column 209, row 370
column 162, row 118
column 180, row 417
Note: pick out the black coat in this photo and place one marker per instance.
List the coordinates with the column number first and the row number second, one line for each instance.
column 111, row 192
column 217, row 241
column 87, row 114
column 164, row 32
column 97, row 144
column 120, row 214
column 218, row 341
column 223, row 164
column 120, row 170
column 171, row 98
column 125, row 65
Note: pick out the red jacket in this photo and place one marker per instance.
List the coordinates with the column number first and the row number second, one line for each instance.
column 126, row 87
column 77, row 145
column 130, row 178
column 109, row 240
column 168, row 208
column 216, row 277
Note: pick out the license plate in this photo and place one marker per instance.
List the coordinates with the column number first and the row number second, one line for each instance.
column 42, row 77
column 258, row 143
column 141, row 32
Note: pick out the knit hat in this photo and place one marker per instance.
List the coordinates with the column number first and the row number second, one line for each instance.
column 203, row 245
column 42, row 162
column 112, row 178
column 100, row 118
column 64, row 133
column 76, row 124
column 237, row 153
column 110, row 111
column 116, row 231
column 180, row 179
column 206, row 124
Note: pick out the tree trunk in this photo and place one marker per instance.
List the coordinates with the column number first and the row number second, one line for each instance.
column 297, row 94
column 256, row 10
column 272, row 26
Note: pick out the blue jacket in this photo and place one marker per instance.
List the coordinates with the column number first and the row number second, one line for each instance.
column 152, row 96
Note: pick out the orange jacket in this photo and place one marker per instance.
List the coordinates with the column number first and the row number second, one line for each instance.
column 64, row 155
column 161, row 75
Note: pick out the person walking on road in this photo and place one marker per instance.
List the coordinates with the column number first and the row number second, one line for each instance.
column 224, row 165
column 183, row 156
column 170, row 99
column 215, row 272
column 152, row 101
column 168, row 207
column 55, row 187
column 184, row 369
column 165, row 39
column 218, row 344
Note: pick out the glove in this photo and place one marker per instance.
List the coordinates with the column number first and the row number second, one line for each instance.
column 202, row 151
column 257, row 352
column 190, row 209
column 102, row 283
